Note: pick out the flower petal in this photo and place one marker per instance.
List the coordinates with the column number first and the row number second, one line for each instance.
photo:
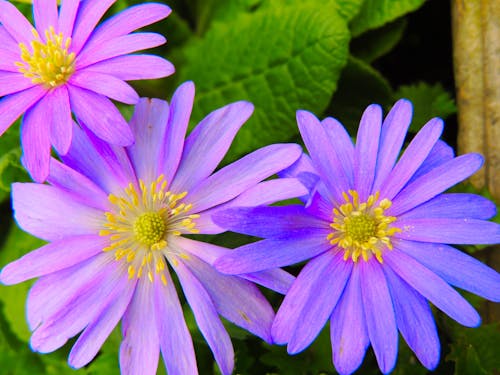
column 379, row 314
column 63, row 177
column 130, row 19
column 342, row 143
column 275, row 279
column 118, row 46
column 414, row 319
column 8, row 59
column 208, row 143
column 323, row 155
column 175, row 339
column 455, row 267
column 35, row 139
column 439, row 154
column 237, row 300
column 100, row 115
column 264, row 193
column 67, row 16
column 266, row 254
column 348, row 330
column 140, row 348
column 206, row 317
column 8, row 42
column 90, row 341
column 435, row 182
column 12, row 82
column 432, row 287
column 78, row 311
column 181, row 106
column 62, row 123
column 254, row 221
column 52, row 257
column 105, row 84
column 51, row 213
column 89, row 14
column 412, row 159
column 45, row 15
column 12, row 106
column 453, row 206
column 392, row 136
column 149, row 125
column 330, row 284
column 366, row 150
column 15, row 23
column 241, row 175
column 134, row 67
column 452, row 231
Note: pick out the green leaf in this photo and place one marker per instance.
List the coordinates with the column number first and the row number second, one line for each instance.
column 428, row 101
column 13, row 297
column 11, row 169
column 376, row 13
column 281, row 59
column 360, row 85
column 376, row 43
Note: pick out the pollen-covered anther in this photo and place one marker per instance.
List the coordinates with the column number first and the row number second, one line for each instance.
column 47, row 62
column 361, row 229
column 140, row 224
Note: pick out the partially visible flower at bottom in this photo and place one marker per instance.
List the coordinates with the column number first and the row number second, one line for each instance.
column 374, row 228
column 115, row 219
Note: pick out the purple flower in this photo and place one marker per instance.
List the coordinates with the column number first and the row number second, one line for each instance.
column 67, row 65
column 374, row 229
column 114, row 219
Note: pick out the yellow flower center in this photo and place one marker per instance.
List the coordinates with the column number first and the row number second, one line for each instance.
column 362, row 229
column 48, row 63
column 141, row 223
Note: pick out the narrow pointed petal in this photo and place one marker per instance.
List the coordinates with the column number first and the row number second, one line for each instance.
column 342, row 143
column 105, row 84
column 304, row 171
column 91, row 340
column 8, row 59
column 272, row 253
column 348, row 330
column 181, row 106
column 148, row 125
column 323, row 155
column 366, row 150
column 392, row 136
column 208, row 143
column 127, row 21
column 435, row 182
column 439, row 154
column 275, row 279
column 455, row 267
column 254, row 221
column 34, row 209
column 15, row 23
column 320, row 304
column 134, row 67
column 453, row 206
column 415, row 320
column 12, row 106
column 207, row 319
column 237, row 300
column 89, row 14
column 242, row 175
column 140, row 348
column 432, row 287
column 100, row 115
column 8, row 42
column 52, row 257
column 35, row 139
column 118, row 46
column 12, row 82
column 451, row 231
column 67, row 16
column 175, row 339
column 61, row 128
column 412, row 159
column 45, row 15
column 379, row 315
